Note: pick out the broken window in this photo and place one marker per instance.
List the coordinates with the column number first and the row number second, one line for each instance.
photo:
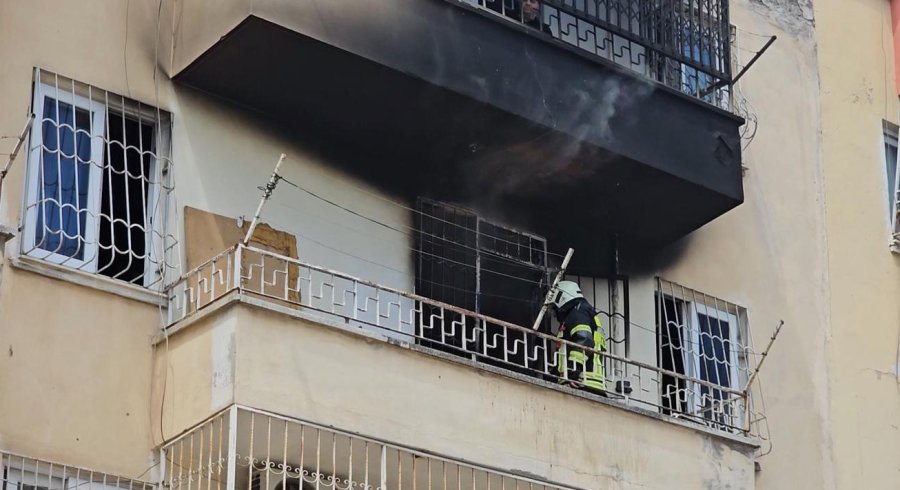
column 670, row 325
column 96, row 196
column 471, row 263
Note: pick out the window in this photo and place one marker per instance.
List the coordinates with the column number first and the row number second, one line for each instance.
column 892, row 182
column 97, row 184
column 704, row 44
column 469, row 262
column 700, row 338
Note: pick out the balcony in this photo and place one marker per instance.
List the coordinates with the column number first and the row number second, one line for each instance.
column 245, row 448
column 431, row 327
column 290, row 338
column 20, row 472
column 616, row 108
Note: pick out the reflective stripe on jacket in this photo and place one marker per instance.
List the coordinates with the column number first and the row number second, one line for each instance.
column 582, row 327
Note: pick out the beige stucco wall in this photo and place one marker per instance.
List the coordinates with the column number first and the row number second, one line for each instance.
column 858, row 92
column 81, row 358
column 769, row 254
column 76, row 386
column 76, row 366
column 199, row 362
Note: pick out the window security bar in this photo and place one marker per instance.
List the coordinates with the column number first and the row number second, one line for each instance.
column 891, row 150
column 407, row 317
column 99, row 183
column 895, row 226
column 704, row 338
column 248, row 449
column 684, row 44
column 26, row 473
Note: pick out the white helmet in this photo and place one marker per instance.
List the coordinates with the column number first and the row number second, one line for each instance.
column 566, row 291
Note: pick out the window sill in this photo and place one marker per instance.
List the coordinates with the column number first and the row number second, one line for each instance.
column 94, row 281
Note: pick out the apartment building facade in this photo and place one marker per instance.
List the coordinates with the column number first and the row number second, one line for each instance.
column 441, row 157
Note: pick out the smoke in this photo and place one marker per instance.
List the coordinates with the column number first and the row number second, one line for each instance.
column 583, row 122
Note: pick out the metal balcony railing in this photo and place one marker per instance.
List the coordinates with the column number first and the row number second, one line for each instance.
column 409, row 318
column 20, row 472
column 242, row 448
column 683, row 44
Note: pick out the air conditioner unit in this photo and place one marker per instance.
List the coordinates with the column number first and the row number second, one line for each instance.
column 272, row 479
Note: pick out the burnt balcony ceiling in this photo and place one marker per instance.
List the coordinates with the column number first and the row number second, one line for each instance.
column 441, row 99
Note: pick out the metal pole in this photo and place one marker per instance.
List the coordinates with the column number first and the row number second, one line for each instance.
column 741, row 73
column 763, row 358
column 231, row 465
column 162, row 469
column 12, row 156
column 552, row 291
column 267, row 193
column 238, row 283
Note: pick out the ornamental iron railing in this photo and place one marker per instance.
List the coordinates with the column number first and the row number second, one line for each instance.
column 683, row 44
column 702, row 361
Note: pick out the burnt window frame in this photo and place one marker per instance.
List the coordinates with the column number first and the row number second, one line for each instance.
column 473, row 240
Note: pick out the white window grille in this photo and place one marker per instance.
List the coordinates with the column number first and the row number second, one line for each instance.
column 892, row 182
column 99, row 182
column 705, row 339
column 25, row 473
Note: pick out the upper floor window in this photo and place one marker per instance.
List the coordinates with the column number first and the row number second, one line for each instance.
column 97, row 182
column 893, row 181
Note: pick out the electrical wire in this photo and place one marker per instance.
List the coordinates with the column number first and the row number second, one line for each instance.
column 162, row 283
column 520, row 263
column 742, row 105
column 415, row 211
column 408, row 274
column 433, row 217
column 439, row 257
column 745, row 31
column 684, row 340
column 446, row 259
column 125, row 48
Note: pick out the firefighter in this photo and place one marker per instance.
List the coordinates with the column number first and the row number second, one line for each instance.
column 579, row 323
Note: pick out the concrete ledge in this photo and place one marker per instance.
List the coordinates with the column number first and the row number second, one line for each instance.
column 6, row 233
column 95, row 281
